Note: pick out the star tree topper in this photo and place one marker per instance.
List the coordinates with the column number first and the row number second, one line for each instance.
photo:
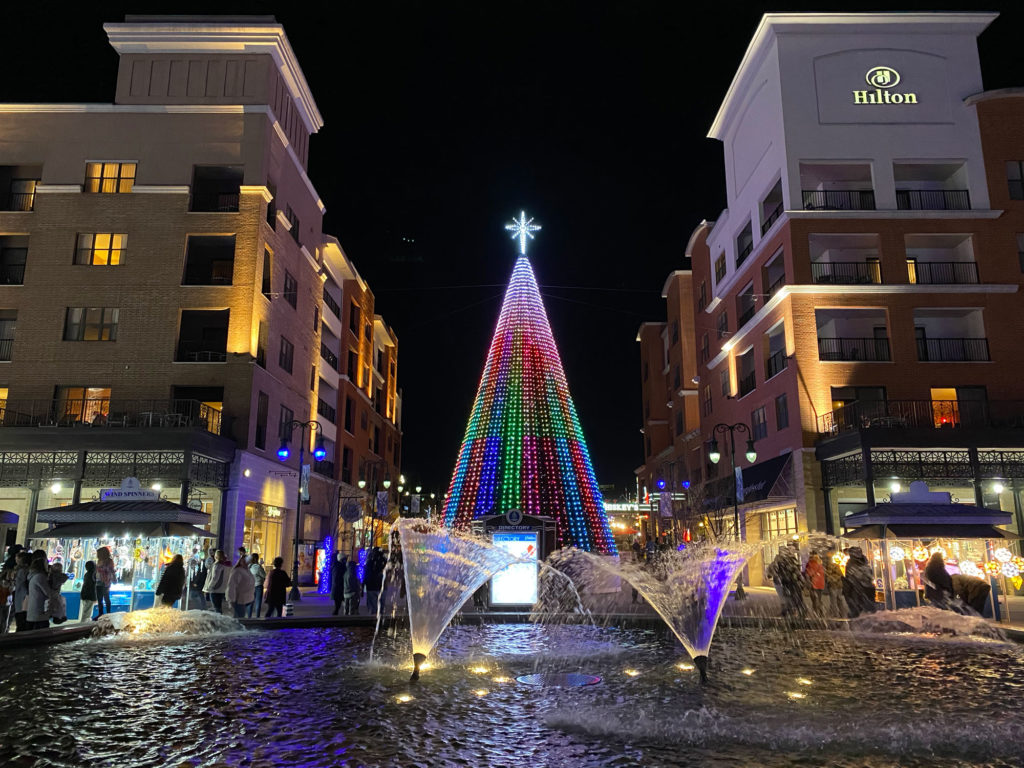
column 522, row 228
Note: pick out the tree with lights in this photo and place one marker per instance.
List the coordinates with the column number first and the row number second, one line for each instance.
column 524, row 448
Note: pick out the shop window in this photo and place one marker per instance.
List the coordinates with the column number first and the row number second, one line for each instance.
column 262, row 531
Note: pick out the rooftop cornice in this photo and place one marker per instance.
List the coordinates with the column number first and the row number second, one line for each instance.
column 193, row 36
column 830, row 23
column 999, row 93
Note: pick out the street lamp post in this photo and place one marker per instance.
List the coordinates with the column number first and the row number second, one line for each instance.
column 715, row 455
column 283, row 453
column 386, row 483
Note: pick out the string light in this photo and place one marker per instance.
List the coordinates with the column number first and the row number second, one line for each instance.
column 523, row 447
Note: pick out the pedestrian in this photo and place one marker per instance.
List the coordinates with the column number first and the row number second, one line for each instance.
column 241, row 589
column 21, row 574
column 972, row 590
column 858, row 583
column 88, row 593
column 786, row 568
column 276, row 587
column 58, row 606
column 7, row 572
column 834, row 585
column 172, row 582
column 338, row 582
column 259, row 575
column 217, row 580
column 243, row 559
column 374, row 579
column 814, row 572
column 199, row 574
column 938, row 584
column 105, row 575
column 37, row 616
column 353, row 590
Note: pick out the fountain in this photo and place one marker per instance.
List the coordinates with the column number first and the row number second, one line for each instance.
column 442, row 570
column 688, row 588
column 164, row 621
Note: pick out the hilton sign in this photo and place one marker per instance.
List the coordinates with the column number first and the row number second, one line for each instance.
column 883, row 78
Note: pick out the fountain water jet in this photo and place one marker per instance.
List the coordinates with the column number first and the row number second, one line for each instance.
column 687, row 589
column 443, row 569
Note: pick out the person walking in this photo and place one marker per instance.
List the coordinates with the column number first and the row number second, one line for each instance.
column 277, row 588
column 217, row 580
column 785, row 568
column 814, row 572
column 859, row 583
column 199, row 574
column 374, row 579
column 241, row 589
column 338, row 582
column 21, row 574
column 105, row 575
column 259, row 575
column 88, row 593
column 353, row 590
column 834, row 585
column 36, row 614
column 172, row 582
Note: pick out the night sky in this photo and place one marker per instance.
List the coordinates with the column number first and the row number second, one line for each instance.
column 443, row 120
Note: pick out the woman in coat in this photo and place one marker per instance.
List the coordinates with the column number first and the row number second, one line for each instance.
column 938, row 584
column 217, row 581
column 338, row 581
column 276, row 588
column 815, row 573
column 241, row 589
column 37, row 615
column 859, row 583
column 105, row 575
column 353, row 590
column 172, row 583
column 88, row 593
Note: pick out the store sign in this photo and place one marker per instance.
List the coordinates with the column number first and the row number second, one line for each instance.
column 130, row 490
column 882, row 79
column 516, row 584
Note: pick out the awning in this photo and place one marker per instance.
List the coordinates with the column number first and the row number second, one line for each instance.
column 927, row 514
column 137, row 512
column 928, row 531
column 768, row 479
column 8, row 518
column 151, row 530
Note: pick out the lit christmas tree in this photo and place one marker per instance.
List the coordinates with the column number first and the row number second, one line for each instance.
column 524, row 447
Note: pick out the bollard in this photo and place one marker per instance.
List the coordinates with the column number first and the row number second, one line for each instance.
column 289, row 609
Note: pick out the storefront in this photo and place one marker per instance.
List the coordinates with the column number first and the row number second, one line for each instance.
column 263, row 531
column 142, row 531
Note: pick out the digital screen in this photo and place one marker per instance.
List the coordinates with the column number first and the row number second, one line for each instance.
column 516, row 584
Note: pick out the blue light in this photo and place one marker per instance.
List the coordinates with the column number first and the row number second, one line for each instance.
column 319, row 453
column 661, row 485
column 283, row 452
column 686, row 484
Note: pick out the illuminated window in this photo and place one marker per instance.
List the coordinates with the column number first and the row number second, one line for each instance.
column 109, row 178
column 101, row 249
column 779, row 522
column 82, row 404
column 90, row 324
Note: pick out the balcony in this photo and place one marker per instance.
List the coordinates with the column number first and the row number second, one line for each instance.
column 771, row 219
column 326, row 410
column 18, row 186
column 745, row 315
column 839, row 199
column 745, row 251
column 12, row 274
column 332, row 304
column 942, row 272
column 952, row 350
column 747, row 384
column 214, row 202
column 19, row 201
column 933, row 199
column 846, row 272
column 199, row 352
column 330, row 357
column 325, row 468
column 775, row 364
column 111, row 414
column 923, row 414
column 853, row 349
column 215, row 188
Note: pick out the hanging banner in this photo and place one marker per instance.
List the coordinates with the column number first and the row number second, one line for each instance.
column 739, row 485
column 382, row 504
column 414, row 506
column 304, row 482
column 665, row 504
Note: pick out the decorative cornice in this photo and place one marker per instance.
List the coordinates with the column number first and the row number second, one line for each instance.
column 64, row 189
column 257, row 189
column 194, row 36
column 160, row 189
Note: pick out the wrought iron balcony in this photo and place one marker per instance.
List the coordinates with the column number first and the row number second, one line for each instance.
column 953, row 350
column 6, row 346
column 747, row 384
column 330, row 357
column 839, row 199
column 846, row 272
column 853, row 349
column 111, row 413
column 942, row 272
column 933, row 199
column 326, row 410
column 771, row 219
column 776, row 364
column 332, row 304
column 190, row 351
column 214, row 202
column 774, row 287
column 18, row 201
column 745, row 251
column 745, row 315
column 923, row 414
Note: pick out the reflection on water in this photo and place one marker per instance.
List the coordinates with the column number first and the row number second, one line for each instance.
column 308, row 697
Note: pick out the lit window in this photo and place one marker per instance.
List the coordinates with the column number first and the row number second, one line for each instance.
column 101, row 249
column 109, row 178
column 90, row 324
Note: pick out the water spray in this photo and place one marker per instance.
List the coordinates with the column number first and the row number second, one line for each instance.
column 417, row 662
column 702, row 666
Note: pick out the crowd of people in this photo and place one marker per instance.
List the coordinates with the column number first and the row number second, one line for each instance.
column 830, row 591
column 30, row 589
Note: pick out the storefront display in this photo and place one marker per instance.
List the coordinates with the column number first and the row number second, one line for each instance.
column 262, row 532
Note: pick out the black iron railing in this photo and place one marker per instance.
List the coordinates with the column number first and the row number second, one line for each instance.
column 846, row 272
column 6, row 347
column 18, row 201
column 775, row 364
column 745, row 315
column 953, row 350
column 332, row 304
column 774, row 287
column 747, row 384
column 199, row 352
column 771, row 219
column 330, row 357
column 326, row 410
column 111, row 413
column 942, row 272
column 842, row 348
column 933, row 199
column 839, row 199
column 923, row 414
column 214, row 202
column 745, row 251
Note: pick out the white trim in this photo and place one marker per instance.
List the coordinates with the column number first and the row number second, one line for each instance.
column 195, row 36
column 160, row 189
column 154, row 109
column 256, row 189
column 671, row 275
column 42, row 189
column 298, row 163
column 866, row 290
column 282, row 219
column 970, row 213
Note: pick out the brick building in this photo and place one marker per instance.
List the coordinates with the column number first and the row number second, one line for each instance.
column 858, row 300
column 164, row 274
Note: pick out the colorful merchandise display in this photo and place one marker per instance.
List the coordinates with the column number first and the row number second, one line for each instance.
column 524, row 448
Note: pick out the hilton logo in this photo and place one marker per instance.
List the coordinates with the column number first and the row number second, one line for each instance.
column 882, row 79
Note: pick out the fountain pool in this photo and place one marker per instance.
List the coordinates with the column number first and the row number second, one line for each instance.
column 309, row 697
